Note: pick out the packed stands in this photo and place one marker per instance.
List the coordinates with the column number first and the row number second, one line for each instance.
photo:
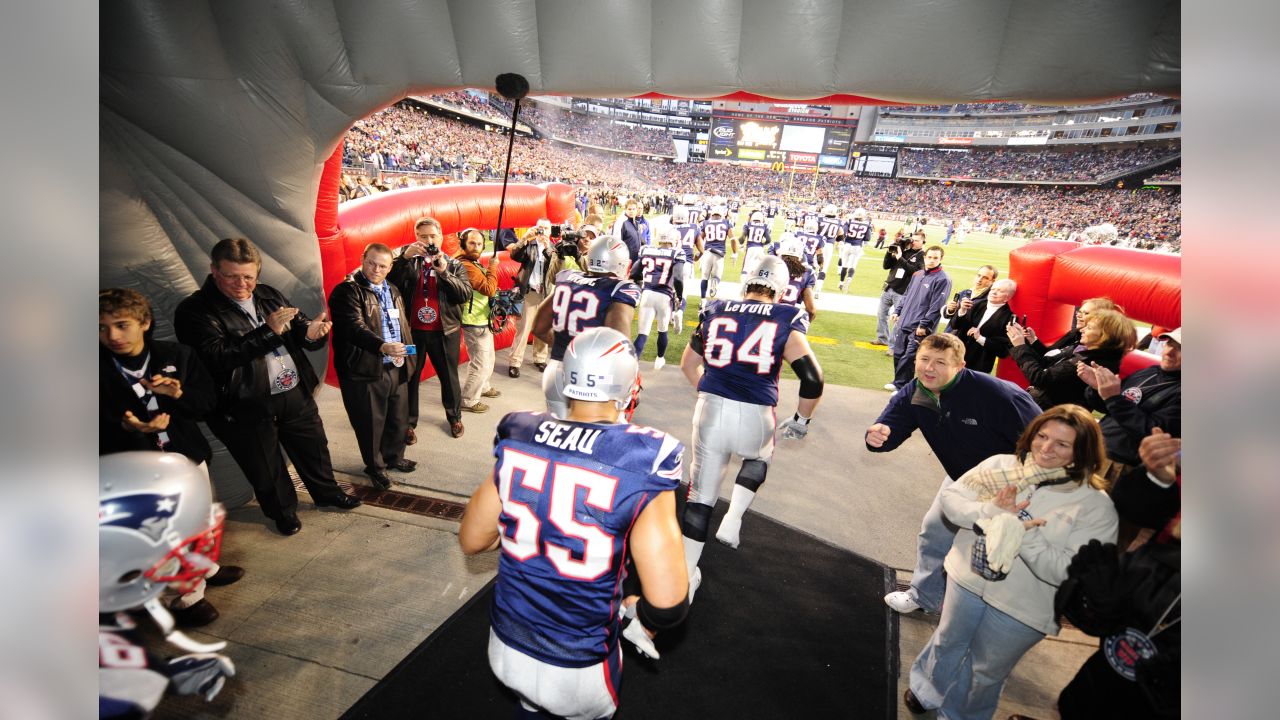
column 1009, row 107
column 1084, row 165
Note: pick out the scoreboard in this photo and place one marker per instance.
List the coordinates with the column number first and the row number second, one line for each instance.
column 780, row 138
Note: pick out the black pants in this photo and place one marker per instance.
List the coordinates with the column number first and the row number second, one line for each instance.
column 443, row 351
column 292, row 422
column 379, row 414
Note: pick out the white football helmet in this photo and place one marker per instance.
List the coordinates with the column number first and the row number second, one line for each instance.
column 680, row 215
column 668, row 237
column 829, row 210
column 600, row 365
column 690, row 199
column 157, row 526
column 860, row 214
column 757, row 217
column 608, row 256
column 811, row 225
column 720, row 210
column 791, row 245
column 770, row 272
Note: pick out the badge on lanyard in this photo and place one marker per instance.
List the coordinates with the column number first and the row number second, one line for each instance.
column 397, row 361
column 393, row 313
column 286, row 379
column 1124, row 651
column 426, row 314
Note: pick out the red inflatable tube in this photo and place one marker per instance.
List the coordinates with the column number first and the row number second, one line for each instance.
column 343, row 230
column 1055, row 276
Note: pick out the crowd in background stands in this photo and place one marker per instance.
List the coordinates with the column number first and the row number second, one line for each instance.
column 596, row 130
column 1008, row 107
column 398, row 140
column 478, row 105
column 1173, row 174
column 1003, row 164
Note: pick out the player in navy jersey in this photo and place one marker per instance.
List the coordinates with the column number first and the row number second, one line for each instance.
column 800, row 285
column 733, row 359
column 771, row 209
column 755, row 237
column 857, row 231
column 600, row 297
column 690, row 241
column 814, row 250
column 660, row 273
column 831, row 228
column 566, row 502
column 734, row 205
column 717, row 233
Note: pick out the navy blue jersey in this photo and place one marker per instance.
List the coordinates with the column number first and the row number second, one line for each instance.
column 571, row 492
column 857, row 232
column 581, row 302
column 771, row 210
column 757, row 234
column 812, row 244
column 794, row 293
column 714, row 234
column 734, row 205
column 688, row 235
column 697, row 213
column 790, row 213
column 660, row 268
column 742, row 343
column 831, row 229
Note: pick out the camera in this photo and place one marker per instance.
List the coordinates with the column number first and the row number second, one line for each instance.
column 555, row 231
column 568, row 245
column 431, row 250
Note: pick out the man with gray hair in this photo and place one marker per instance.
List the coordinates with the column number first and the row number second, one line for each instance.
column 982, row 326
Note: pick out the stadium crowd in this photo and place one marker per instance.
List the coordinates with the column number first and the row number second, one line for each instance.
column 1040, row 165
column 1006, row 107
column 1173, row 174
column 469, row 101
column 597, row 131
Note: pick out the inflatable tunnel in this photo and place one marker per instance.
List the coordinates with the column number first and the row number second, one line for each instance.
column 344, row 230
column 1055, row 276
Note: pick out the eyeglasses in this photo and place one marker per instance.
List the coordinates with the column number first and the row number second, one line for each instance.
column 237, row 278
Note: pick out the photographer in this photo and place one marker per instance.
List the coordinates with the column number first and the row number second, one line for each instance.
column 572, row 249
column 533, row 252
column 435, row 287
column 902, row 260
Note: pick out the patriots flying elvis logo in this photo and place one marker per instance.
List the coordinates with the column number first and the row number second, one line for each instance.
column 150, row 514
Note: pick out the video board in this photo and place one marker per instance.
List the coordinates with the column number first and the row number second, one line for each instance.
column 767, row 138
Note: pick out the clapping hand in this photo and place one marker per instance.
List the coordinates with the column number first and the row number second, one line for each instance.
column 1007, row 500
column 161, row 385
column 279, row 320
column 131, row 423
column 320, row 326
column 1161, row 453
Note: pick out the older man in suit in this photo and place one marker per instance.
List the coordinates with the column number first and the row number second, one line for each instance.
column 982, row 326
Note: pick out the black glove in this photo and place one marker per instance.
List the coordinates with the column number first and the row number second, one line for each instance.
column 1091, row 597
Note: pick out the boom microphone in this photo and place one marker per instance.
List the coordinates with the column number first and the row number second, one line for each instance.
column 511, row 86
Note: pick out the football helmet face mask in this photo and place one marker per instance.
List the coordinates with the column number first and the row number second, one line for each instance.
column 770, row 272
column 600, row 365
column 157, row 526
column 608, row 256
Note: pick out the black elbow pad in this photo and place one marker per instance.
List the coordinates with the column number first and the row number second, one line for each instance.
column 806, row 368
column 696, row 342
column 656, row 618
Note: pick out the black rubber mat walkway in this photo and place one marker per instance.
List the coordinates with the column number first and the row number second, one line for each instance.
column 786, row 626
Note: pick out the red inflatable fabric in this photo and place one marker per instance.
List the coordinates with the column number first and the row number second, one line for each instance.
column 343, row 230
column 1055, row 276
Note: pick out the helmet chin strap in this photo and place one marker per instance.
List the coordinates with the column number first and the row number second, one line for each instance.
column 164, row 619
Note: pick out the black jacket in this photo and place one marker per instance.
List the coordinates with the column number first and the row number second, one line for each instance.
column 453, row 288
column 116, row 395
column 357, row 329
column 1054, row 380
column 234, row 351
column 910, row 262
column 979, row 357
column 526, row 256
column 1149, row 398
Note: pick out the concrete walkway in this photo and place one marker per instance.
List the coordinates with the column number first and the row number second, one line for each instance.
column 323, row 615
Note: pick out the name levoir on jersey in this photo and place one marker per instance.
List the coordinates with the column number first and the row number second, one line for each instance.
column 570, row 494
column 742, row 344
column 660, row 268
column 714, row 233
column 580, row 302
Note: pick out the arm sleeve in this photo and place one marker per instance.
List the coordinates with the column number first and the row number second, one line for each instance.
column 897, row 415
column 349, row 322
column 1138, row 421
column 216, row 345
column 454, row 283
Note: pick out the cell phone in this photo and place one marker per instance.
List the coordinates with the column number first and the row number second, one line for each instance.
column 1023, row 320
column 410, row 349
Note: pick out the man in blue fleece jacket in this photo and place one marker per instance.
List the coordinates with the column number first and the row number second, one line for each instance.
column 966, row 417
column 917, row 314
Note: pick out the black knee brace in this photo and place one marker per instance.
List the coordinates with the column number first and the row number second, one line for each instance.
column 751, row 476
column 697, row 517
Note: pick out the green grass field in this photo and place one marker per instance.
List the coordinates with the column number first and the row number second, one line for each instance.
column 841, row 340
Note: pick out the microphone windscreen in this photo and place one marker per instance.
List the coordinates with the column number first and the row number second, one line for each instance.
column 512, row 86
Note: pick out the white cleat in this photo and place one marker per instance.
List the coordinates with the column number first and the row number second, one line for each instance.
column 890, row 387
column 728, row 531
column 634, row 632
column 694, row 583
column 659, row 363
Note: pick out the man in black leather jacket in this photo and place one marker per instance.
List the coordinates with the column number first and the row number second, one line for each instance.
column 370, row 328
column 252, row 341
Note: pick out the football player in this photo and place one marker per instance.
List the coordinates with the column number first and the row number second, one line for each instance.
column 857, row 231
column 660, row 274
column 567, row 501
column 800, row 286
column 755, row 237
column 716, row 232
column 690, row 241
column 814, row 249
column 158, row 527
column 831, row 228
column 602, row 296
column 733, row 359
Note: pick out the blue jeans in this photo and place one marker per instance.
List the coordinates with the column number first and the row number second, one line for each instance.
column 905, row 342
column 929, row 579
column 888, row 299
column 962, row 669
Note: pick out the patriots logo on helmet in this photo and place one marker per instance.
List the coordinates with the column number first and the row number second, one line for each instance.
column 150, row 514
